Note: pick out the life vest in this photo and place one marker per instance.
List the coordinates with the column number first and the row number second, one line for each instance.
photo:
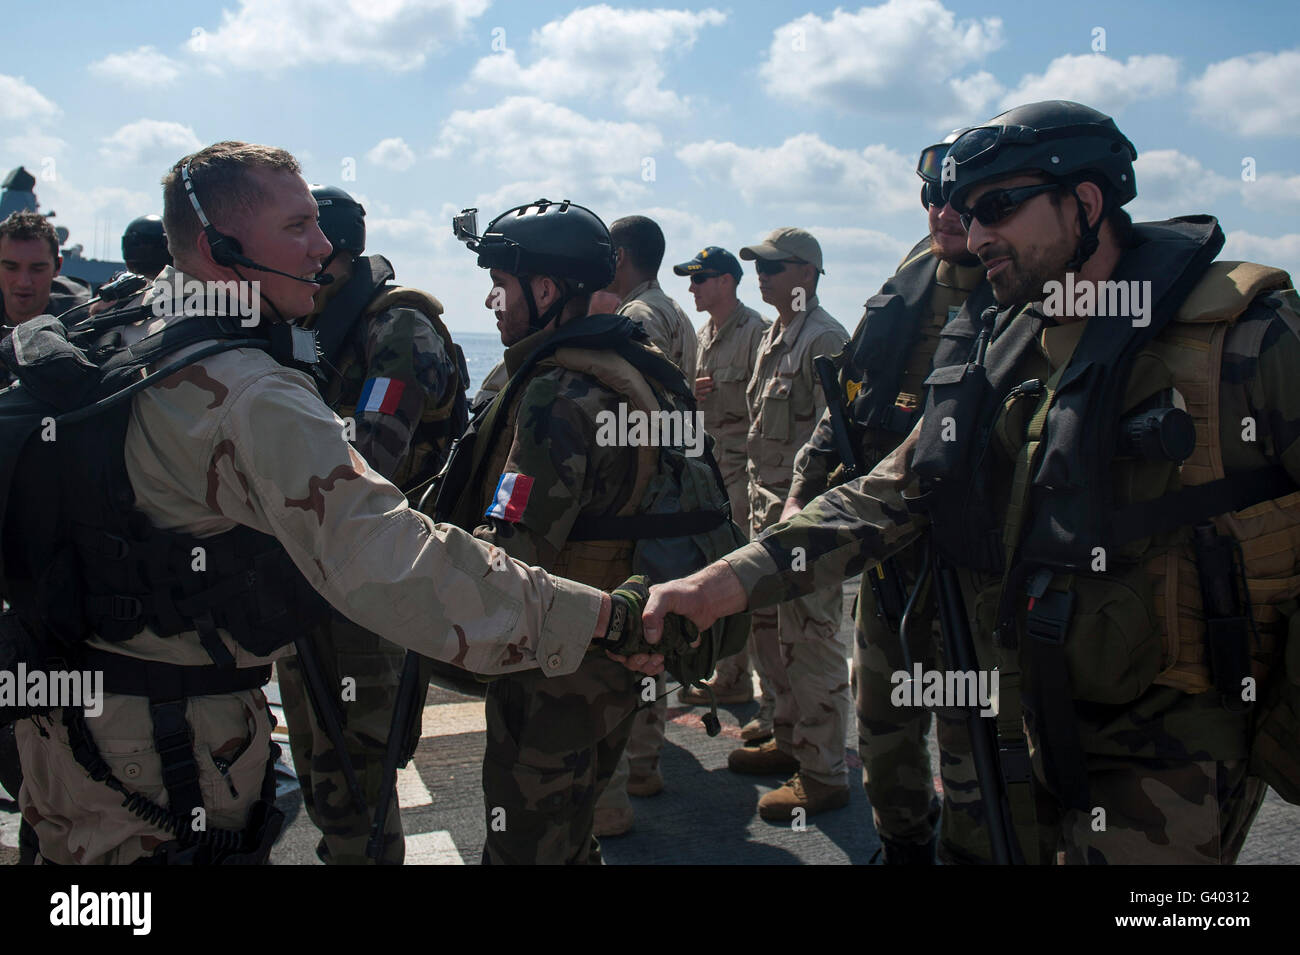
column 366, row 294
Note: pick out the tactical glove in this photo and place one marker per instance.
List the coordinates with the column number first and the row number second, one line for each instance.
column 624, row 636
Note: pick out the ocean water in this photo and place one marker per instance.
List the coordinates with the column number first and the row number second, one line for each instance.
column 482, row 351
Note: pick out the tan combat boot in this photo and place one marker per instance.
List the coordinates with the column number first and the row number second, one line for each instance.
column 612, row 822
column 801, row 792
column 740, row 692
column 648, row 784
column 764, row 760
column 760, row 727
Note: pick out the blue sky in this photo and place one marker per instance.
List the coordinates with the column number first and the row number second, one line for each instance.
column 720, row 121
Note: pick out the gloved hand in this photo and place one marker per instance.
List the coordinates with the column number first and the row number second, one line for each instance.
column 625, row 636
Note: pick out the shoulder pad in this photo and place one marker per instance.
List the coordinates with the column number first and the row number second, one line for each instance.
column 1227, row 289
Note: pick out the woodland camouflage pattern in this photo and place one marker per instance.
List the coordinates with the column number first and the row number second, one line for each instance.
column 1180, row 751
column 399, row 344
column 554, row 744
column 238, row 439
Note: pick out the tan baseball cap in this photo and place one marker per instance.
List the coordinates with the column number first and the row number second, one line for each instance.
column 787, row 242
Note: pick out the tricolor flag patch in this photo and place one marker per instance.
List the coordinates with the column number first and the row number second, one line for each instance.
column 381, row 394
column 511, row 497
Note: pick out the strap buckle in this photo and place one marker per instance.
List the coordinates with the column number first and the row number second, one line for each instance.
column 1014, row 758
column 1049, row 612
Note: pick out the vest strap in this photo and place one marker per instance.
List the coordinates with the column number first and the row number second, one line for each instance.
column 1192, row 505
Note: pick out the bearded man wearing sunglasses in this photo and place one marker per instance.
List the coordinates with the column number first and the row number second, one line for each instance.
column 1114, row 494
column 798, row 649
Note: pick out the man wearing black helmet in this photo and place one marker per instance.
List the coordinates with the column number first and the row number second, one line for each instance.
column 392, row 373
column 1109, row 475
column 535, row 476
column 144, row 246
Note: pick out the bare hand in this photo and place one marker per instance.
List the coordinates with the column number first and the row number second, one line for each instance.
column 703, row 386
column 651, row 664
column 792, row 507
column 705, row 596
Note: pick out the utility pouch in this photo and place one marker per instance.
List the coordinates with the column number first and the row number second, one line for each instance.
column 1227, row 621
column 1114, row 651
column 954, row 401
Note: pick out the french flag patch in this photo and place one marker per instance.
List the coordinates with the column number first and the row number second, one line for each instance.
column 381, row 394
column 511, row 497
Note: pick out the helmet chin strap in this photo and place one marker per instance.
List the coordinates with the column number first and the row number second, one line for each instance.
column 537, row 322
column 1088, row 240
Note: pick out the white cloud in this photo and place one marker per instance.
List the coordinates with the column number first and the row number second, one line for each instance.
column 805, row 173
column 602, row 52
column 1252, row 95
column 392, row 154
column 20, row 101
column 1282, row 251
column 899, row 58
column 1097, row 81
column 145, row 66
column 397, row 35
column 552, row 149
column 149, row 140
column 1171, row 183
column 1271, row 190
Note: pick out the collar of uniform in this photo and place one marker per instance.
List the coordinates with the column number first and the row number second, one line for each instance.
column 961, row 277
column 1057, row 342
column 791, row 332
column 638, row 291
column 518, row 353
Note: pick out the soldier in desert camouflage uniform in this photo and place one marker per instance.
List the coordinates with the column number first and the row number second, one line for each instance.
column 234, row 446
column 1145, row 754
column 540, row 470
column 395, row 376
column 728, row 350
column 884, row 365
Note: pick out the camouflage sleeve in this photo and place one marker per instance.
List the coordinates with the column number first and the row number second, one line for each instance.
column 836, row 536
column 1272, row 388
column 555, row 469
column 815, row 461
column 407, row 359
column 279, row 463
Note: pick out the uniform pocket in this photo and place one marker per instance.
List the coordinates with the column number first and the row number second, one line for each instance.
column 1114, row 649
column 775, row 412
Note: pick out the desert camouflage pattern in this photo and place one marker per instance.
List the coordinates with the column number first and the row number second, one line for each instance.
column 553, row 745
column 238, row 439
column 798, row 649
column 399, row 344
column 896, row 769
column 665, row 322
column 727, row 355
column 1162, row 739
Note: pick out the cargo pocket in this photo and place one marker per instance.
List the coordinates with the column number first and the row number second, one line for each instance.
column 1114, row 650
column 231, row 770
column 776, row 410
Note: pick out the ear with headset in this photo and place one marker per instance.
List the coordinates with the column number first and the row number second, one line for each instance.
column 226, row 250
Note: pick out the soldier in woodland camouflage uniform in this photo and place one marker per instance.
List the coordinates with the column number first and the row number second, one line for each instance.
column 540, row 468
column 728, row 350
column 885, row 363
column 238, row 447
column 1146, row 743
column 394, row 370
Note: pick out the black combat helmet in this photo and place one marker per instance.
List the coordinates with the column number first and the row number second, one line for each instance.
column 144, row 246
column 1065, row 141
column 930, row 168
column 558, row 239
column 342, row 219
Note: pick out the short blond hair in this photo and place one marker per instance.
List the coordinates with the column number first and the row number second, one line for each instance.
column 221, row 178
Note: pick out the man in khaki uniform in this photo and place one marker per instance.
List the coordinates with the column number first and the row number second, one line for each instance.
column 639, row 247
column 639, row 251
column 798, row 649
column 231, row 447
column 728, row 351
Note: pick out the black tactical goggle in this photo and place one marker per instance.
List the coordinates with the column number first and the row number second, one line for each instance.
column 981, row 144
column 930, row 166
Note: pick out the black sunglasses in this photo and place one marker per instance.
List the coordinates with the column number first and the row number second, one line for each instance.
column 699, row 278
column 774, row 266
column 997, row 204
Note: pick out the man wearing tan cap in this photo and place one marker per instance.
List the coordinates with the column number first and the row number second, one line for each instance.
column 728, row 351
column 798, row 648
